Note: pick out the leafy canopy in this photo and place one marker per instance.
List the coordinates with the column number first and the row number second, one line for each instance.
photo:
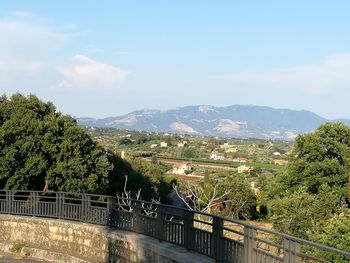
column 308, row 199
column 39, row 146
column 321, row 157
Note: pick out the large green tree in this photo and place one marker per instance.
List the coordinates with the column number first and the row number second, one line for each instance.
column 240, row 201
column 308, row 198
column 39, row 146
column 320, row 157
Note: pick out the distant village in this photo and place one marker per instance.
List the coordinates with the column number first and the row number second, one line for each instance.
column 189, row 156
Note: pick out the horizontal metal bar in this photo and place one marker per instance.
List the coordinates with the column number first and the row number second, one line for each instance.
column 203, row 222
column 233, row 231
column 268, row 242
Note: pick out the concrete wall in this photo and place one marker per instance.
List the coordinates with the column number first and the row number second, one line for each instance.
column 68, row 241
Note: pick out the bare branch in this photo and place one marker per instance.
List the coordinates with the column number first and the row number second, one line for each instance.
column 181, row 197
column 125, row 204
column 198, row 199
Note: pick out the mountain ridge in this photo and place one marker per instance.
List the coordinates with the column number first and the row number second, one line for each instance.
column 240, row 121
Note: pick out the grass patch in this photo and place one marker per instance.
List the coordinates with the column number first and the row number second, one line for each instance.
column 16, row 248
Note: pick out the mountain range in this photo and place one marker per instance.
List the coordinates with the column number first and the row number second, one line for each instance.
column 238, row 121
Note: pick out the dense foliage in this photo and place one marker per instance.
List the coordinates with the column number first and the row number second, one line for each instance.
column 41, row 148
column 333, row 232
column 321, row 157
column 240, row 201
column 39, row 145
column 309, row 199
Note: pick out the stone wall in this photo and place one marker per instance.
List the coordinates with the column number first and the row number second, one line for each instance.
column 69, row 241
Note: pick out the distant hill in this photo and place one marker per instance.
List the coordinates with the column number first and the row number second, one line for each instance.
column 241, row 121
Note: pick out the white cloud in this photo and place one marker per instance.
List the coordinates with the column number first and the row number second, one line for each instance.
column 86, row 73
column 330, row 73
column 28, row 44
column 24, row 33
column 32, row 48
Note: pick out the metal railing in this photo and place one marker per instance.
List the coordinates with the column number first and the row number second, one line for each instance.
column 217, row 237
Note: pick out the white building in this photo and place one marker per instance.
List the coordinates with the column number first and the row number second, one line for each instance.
column 215, row 156
column 153, row 145
column 180, row 145
column 181, row 168
column 163, row 144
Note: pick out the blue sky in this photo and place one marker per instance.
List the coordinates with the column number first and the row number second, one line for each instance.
column 106, row 58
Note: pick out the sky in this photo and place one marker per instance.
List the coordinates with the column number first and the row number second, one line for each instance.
column 108, row 58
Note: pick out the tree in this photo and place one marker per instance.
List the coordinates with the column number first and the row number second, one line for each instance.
column 334, row 232
column 125, row 141
column 240, row 201
column 313, row 186
column 300, row 211
column 125, row 201
column 200, row 196
column 320, row 157
column 231, row 196
column 40, row 147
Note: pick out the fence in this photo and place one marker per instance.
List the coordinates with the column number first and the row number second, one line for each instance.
column 219, row 238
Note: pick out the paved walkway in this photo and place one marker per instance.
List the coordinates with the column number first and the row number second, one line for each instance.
column 10, row 258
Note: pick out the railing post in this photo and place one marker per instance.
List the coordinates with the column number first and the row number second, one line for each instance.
column 218, row 242
column 290, row 251
column 188, row 230
column 249, row 245
column 137, row 217
column 35, row 200
column 9, row 201
column 160, row 223
column 85, row 203
column 111, row 212
column 60, row 203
